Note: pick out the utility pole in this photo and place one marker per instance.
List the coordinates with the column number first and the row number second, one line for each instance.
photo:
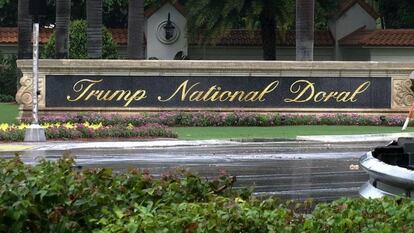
column 35, row 133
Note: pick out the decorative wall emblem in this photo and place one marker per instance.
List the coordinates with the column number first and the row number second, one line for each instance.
column 24, row 94
column 167, row 31
column 403, row 95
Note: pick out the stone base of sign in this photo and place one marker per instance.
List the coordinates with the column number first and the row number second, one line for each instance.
column 401, row 94
column 35, row 133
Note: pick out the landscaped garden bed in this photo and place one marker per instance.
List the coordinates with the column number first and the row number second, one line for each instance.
column 204, row 119
column 217, row 125
column 10, row 132
column 54, row 197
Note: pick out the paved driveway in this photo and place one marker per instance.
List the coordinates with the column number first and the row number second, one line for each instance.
column 288, row 169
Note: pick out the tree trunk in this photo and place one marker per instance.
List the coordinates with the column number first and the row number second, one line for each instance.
column 304, row 29
column 268, row 31
column 94, row 30
column 136, row 29
column 24, row 23
column 62, row 28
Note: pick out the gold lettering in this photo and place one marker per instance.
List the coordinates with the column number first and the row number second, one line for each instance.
column 363, row 87
column 305, row 91
column 84, row 88
column 184, row 91
column 96, row 93
column 251, row 96
column 137, row 96
column 269, row 88
column 79, row 86
column 214, row 96
column 309, row 86
column 240, row 94
column 196, row 96
column 342, row 97
column 319, row 96
column 331, row 94
column 215, row 93
column 227, row 93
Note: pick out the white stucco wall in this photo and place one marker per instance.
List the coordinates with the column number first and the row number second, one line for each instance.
column 353, row 19
column 355, row 54
column 356, row 17
column 156, row 48
column 392, row 54
column 8, row 49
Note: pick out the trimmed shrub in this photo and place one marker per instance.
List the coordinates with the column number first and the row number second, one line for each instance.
column 77, row 43
column 228, row 119
column 55, row 197
column 76, row 131
column 6, row 98
column 8, row 78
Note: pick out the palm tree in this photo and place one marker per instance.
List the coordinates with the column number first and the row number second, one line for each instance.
column 62, row 28
column 268, row 29
column 304, row 29
column 135, row 29
column 94, row 30
column 211, row 19
column 24, row 23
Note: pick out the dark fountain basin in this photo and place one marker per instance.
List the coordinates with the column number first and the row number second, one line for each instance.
column 390, row 169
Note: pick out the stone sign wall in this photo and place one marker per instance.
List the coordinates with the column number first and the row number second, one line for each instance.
column 125, row 86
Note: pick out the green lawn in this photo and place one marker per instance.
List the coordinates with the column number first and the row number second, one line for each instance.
column 278, row 131
column 8, row 112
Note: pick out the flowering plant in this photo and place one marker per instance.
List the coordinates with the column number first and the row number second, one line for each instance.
column 226, row 119
column 70, row 130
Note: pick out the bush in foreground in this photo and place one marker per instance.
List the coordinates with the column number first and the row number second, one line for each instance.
column 52, row 197
column 228, row 119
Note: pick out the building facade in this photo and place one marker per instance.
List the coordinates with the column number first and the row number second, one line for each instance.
column 354, row 35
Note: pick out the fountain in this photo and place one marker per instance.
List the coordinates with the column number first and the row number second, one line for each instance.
column 390, row 169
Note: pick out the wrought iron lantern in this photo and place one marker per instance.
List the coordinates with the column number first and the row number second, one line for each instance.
column 169, row 28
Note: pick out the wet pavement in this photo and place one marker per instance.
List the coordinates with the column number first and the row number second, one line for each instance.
column 287, row 169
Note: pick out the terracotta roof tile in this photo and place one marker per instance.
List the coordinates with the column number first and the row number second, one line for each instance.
column 233, row 38
column 344, row 5
column 254, row 38
column 44, row 35
column 119, row 35
column 8, row 35
column 379, row 37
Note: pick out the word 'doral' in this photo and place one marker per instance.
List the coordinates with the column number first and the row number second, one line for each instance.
column 306, row 91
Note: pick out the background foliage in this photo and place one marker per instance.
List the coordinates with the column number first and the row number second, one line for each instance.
column 8, row 78
column 397, row 13
column 77, row 43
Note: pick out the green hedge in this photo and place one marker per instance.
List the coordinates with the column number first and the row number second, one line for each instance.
column 77, row 43
column 77, row 131
column 6, row 98
column 53, row 197
column 8, row 78
column 204, row 119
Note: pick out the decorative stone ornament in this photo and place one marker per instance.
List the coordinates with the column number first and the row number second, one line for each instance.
column 167, row 31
